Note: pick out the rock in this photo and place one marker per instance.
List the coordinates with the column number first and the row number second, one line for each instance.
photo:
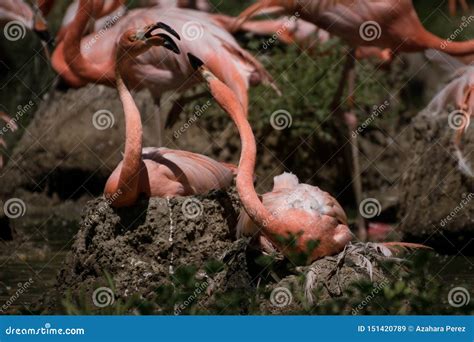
column 69, row 149
column 436, row 198
column 63, row 159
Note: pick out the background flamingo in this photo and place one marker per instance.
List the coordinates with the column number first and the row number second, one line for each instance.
column 156, row 172
column 157, row 70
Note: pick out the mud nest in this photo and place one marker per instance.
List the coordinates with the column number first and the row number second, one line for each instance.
column 145, row 247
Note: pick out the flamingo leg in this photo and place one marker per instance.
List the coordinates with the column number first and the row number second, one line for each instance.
column 352, row 123
column 452, row 7
column 348, row 77
column 464, row 5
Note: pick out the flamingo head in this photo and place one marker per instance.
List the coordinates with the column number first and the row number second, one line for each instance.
column 136, row 42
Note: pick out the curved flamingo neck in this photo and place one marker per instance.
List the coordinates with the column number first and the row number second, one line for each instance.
column 245, row 176
column 132, row 160
column 101, row 73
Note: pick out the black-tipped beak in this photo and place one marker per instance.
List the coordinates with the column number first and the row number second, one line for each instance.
column 168, row 29
column 195, row 62
column 169, row 43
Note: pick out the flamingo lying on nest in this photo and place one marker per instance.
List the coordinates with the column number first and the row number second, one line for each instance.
column 292, row 211
column 391, row 24
column 11, row 124
column 155, row 172
column 155, row 70
column 299, row 219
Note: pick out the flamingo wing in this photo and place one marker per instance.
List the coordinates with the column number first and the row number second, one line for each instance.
column 198, row 173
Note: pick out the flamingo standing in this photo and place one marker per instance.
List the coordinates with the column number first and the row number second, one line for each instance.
column 11, row 124
column 155, row 172
column 388, row 24
column 81, row 62
column 312, row 219
column 302, row 33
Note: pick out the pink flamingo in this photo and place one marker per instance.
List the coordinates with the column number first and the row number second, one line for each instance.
column 155, row 172
column 291, row 30
column 295, row 211
column 12, row 126
column 390, row 24
column 394, row 23
column 80, row 61
column 299, row 219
